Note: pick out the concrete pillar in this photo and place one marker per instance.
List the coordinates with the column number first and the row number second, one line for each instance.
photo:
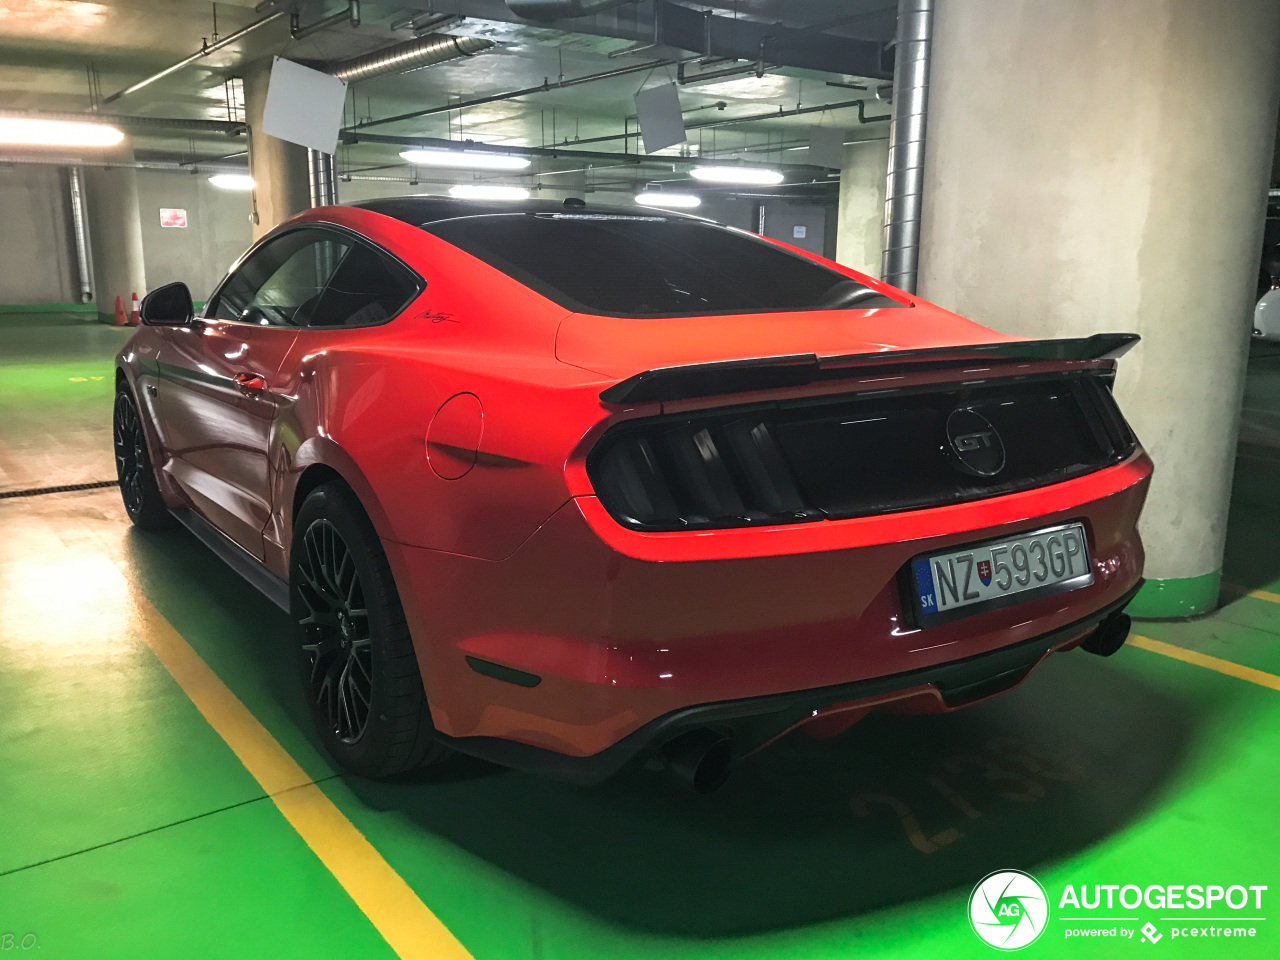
column 1109, row 173
column 279, row 168
column 115, row 234
column 860, row 227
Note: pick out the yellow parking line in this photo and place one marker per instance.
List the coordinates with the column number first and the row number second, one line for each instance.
column 1256, row 594
column 1260, row 677
column 405, row 922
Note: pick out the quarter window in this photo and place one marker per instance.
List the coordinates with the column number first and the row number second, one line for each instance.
column 281, row 283
column 367, row 288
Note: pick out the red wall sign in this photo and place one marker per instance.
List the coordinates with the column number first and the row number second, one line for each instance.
column 172, row 217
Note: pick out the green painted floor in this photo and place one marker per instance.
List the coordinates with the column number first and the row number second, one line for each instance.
column 129, row 829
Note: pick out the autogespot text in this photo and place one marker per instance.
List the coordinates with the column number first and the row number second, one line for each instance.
column 1206, row 904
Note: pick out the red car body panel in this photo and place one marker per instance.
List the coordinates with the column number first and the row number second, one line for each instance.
column 620, row 641
column 464, row 425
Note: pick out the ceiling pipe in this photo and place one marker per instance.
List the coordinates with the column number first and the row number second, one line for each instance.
column 755, row 117
column 428, row 22
column 205, row 160
column 350, row 15
column 170, row 166
column 80, row 229
column 904, row 200
column 561, row 9
column 444, row 144
column 410, row 55
column 203, row 52
column 606, row 75
column 551, row 152
column 543, row 87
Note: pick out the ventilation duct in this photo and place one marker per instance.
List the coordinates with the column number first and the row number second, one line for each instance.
column 322, row 179
column 904, row 196
column 80, row 225
column 410, row 55
column 560, row 9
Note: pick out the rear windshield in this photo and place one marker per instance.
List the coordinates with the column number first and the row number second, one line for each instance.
column 642, row 266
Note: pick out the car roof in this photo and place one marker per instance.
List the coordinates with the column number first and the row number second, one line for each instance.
column 424, row 210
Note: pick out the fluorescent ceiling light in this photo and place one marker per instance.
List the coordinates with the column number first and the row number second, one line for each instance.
column 232, row 181
column 30, row 132
column 481, row 191
column 751, row 175
column 471, row 159
column 661, row 198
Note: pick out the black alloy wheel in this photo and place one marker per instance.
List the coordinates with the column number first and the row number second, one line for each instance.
column 335, row 629
column 138, row 488
column 355, row 655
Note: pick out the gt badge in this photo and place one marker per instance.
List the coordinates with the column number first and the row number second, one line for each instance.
column 977, row 447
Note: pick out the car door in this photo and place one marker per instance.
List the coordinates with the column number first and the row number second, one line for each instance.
column 221, row 383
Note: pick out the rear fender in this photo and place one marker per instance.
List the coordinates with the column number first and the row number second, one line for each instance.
column 322, row 450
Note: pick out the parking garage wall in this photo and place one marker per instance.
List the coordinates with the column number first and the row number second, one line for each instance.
column 37, row 245
column 217, row 230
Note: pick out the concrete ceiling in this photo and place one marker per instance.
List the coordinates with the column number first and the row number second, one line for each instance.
column 51, row 50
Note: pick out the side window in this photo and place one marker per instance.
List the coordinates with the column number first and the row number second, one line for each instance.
column 281, row 284
column 367, row 288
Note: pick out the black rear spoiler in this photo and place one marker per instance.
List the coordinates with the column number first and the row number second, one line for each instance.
column 797, row 370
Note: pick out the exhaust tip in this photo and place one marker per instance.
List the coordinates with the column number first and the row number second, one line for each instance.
column 1110, row 635
column 701, row 758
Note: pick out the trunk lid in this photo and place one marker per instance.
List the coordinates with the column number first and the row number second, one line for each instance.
column 620, row 347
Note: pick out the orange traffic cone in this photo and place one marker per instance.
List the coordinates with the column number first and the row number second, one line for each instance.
column 121, row 319
column 134, row 320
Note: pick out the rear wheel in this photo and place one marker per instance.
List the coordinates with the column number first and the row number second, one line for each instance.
column 137, row 479
column 355, row 654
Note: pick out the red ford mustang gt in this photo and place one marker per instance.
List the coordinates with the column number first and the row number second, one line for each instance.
column 559, row 485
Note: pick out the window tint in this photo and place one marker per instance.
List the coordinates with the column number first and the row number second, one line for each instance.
column 623, row 265
column 280, row 284
column 367, row 288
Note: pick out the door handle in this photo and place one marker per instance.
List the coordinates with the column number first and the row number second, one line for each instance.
column 250, row 382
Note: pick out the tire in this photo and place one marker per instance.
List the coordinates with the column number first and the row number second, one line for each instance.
column 136, row 476
column 355, row 656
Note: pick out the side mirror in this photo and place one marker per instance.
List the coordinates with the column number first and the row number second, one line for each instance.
column 167, row 306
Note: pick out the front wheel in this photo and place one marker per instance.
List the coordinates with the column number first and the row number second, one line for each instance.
column 137, row 479
column 355, row 654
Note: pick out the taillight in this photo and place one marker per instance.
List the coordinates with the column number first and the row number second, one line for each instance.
column 855, row 455
column 688, row 475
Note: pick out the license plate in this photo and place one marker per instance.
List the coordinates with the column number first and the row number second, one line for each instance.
column 1001, row 572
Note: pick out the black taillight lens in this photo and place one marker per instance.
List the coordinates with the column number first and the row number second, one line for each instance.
column 687, row 475
column 855, row 455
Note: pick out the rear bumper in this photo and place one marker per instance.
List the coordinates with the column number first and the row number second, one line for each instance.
column 755, row 722
column 600, row 634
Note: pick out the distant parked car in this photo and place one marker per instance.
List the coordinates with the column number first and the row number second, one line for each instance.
column 1266, row 316
column 1266, row 312
column 559, row 485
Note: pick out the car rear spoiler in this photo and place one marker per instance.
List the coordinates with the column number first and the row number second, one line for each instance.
column 797, row 370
